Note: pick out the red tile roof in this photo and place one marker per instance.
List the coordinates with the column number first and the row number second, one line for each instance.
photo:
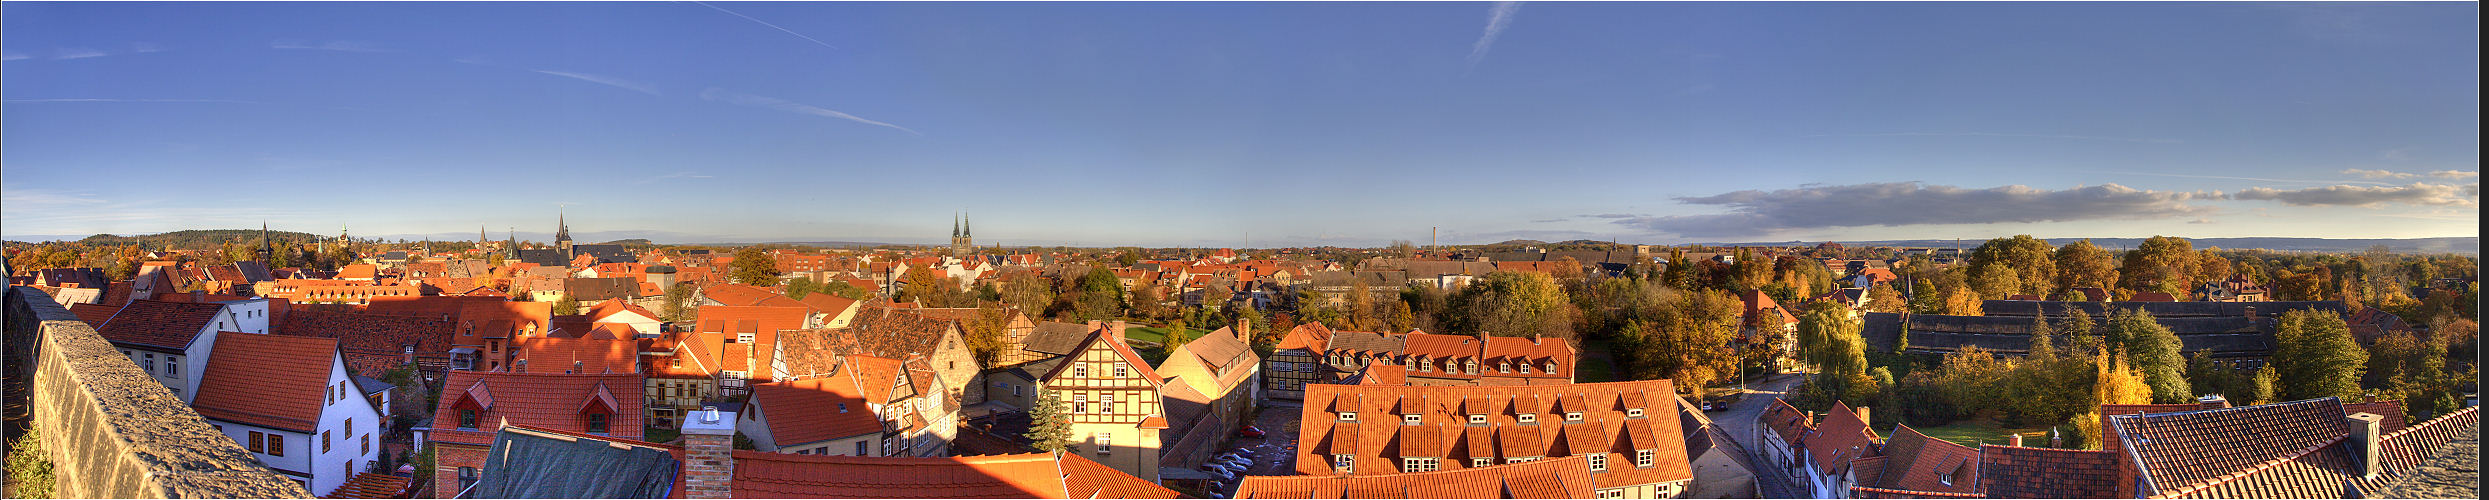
column 1032, row 475
column 545, row 400
column 1839, row 438
column 577, row 355
column 374, row 343
column 273, row 381
column 1787, row 421
column 1379, row 439
column 813, row 410
column 745, row 295
column 2391, row 410
column 1563, row 477
column 2018, row 472
column 1921, row 463
column 93, row 314
column 2179, row 450
column 168, row 325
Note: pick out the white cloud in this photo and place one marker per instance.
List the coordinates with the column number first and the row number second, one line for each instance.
column 2389, row 174
column 606, row 81
column 742, row 99
column 1497, row 19
column 12, row 56
column 78, row 53
column 2369, row 196
column 1754, row 213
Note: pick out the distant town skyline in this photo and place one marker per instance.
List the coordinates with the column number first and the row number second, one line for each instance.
column 1244, row 125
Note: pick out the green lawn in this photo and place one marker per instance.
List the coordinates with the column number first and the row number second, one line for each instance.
column 1597, row 365
column 1974, row 430
column 1156, row 334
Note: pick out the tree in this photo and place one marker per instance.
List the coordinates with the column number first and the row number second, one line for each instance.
column 1517, row 304
column 1050, row 426
column 678, row 305
column 754, row 267
column 2152, row 350
column 2211, row 267
column 841, row 288
column 2029, row 259
column 1884, row 299
column 1403, row 248
column 1994, row 281
column 1828, row 339
column 799, row 286
column 1398, row 316
column 2316, row 357
column 984, row 332
column 1099, row 295
column 2166, row 264
column 1361, row 314
column 2081, row 264
column 1679, row 273
column 1925, row 298
column 567, row 306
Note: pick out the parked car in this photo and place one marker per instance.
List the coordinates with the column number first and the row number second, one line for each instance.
column 1249, row 432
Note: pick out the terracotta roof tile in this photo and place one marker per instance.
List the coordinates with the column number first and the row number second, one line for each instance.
column 1033, row 475
column 544, row 400
column 1921, row 463
column 2183, row 449
column 1564, row 477
column 813, row 410
column 1838, row 438
column 2018, row 472
column 272, row 381
column 577, row 355
column 1379, row 440
column 169, row 325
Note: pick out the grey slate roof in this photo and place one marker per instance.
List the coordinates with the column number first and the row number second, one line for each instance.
column 592, row 289
column 1055, row 337
column 2027, row 308
column 605, row 254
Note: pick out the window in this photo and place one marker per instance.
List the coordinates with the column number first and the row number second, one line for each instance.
column 1529, row 418
column 1412, row 419
column 1612, row 493
column 323, row 441
column 1946, row 478
column 151, row 363
column 1525, row 368
column 276, row 445
column 743, row 337
column 1122, row 370
column 1106, row 403
column 1477, row 419
column 1425, row 365
column 1473, row 366
column 466, row 419
column 1080, row 370
column 467, row 476
column 825, row 450
column 1598, row 462
column 597, row 423
column 1481, row 461
column 1417, row 464
column 1633, row 412
column 859, row 448
column 1551, row 367
column 1080, row 403
column 1572, row 416
column 1504, row 367
column 1106, row 443
column 1642, row 458
column 254, row 443
column 349, row 427
column 1348, row 416
column 1347, row 464
column 367, row 445
column 1518, row 460
column 172, row 365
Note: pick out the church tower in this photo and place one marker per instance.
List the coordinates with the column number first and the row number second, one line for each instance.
column 561, row 235
column 963, row 242
column 266, row 249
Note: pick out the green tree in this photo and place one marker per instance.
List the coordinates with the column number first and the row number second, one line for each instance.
column 799, row 286
column 1925, row 298
column 755, row 267
column 1050, row 425
column 2316, row 357
column 1519, row 304
column 2152, row 350
column 567, row 306
column 1884, row 299
column 678, row 306
column 1994, row 280
column 843, row 289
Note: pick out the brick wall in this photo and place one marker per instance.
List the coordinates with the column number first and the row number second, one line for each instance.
column 708, row 466
column 446, row 459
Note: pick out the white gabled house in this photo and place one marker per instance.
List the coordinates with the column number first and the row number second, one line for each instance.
column 290, row 401
column 172, row 341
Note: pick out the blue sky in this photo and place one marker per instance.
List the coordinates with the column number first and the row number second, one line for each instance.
column 1205, row 124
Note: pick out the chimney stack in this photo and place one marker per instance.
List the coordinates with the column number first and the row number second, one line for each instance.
column 2014, row 440
column 2367, row 436
column 1862, row 416
column 2214, row 402
column 709, row 454
column 1244, row 329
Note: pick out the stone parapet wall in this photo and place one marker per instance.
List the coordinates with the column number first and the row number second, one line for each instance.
column 112, row 430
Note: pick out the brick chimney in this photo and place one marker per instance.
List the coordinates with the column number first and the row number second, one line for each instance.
column 1862, row 416
column 2014, row 439
column 2367, row 436
column 2214, row 402
column 709, row 454
column 1244, row 329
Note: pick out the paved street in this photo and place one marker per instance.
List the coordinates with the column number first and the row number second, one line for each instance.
column 1739, row 422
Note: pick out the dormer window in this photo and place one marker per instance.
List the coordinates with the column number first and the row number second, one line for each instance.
column 1642, row 458
column 1481, row 461
column 1551, row 367
column 1633, row 413
column 1525, row 368
column 466, row 419
column 1598, row 462
column 1946, row 478
column 1572, row 416
column 1348, row 416
column 1417, row 464
column 1346, row 463
column 1528, row 418
column 1412, row 419
column 1425, row 365
column 1504, row 367
column 1473, row 366
column 842, row 407
column 598, row 422
column 1477, row 419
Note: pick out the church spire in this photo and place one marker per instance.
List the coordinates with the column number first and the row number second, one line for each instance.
column 954, row 224
column 965, row 231
column 561, row 231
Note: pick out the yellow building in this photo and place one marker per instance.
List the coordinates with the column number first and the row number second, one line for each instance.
column 1112, row 396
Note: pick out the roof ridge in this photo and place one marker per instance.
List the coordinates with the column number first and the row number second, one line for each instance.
column 2250, row 470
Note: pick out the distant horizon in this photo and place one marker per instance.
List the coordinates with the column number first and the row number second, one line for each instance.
column 601, row 237
column 1203, row 124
